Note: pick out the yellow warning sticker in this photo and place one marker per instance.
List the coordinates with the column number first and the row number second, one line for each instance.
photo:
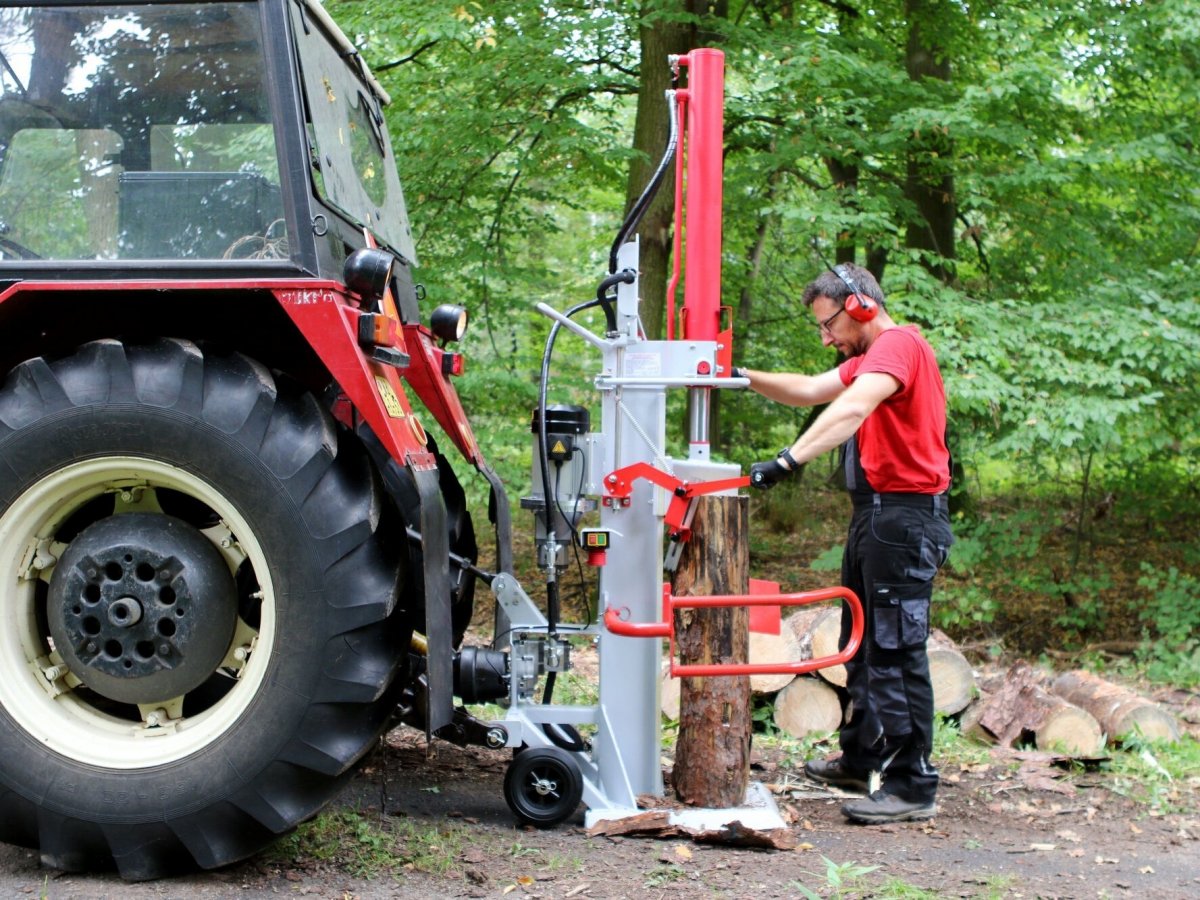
column 558, row 447
column 391, row 402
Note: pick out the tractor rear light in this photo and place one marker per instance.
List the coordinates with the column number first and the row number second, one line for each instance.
column 448, row 322
column 380, row 336
column 368, row 272
column 452, row 364
column 378, row 330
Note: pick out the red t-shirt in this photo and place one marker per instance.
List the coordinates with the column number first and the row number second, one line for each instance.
column 902, row 444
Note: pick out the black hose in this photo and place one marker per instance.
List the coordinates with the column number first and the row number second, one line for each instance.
column 573, row 742
column 552, row 605
column 643, row 202
column 625, row 276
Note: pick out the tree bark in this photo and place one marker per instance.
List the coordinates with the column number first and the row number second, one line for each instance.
column 1022, row 707
column 1057, row 724
column 1119, row 711
column 999, row 709
column 929, row 182
column 712, row 752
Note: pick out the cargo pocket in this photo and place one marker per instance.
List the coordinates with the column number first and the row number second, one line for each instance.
column 934, row 550
column 901, row 614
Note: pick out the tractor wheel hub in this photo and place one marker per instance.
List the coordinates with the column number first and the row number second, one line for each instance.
column 142, row 607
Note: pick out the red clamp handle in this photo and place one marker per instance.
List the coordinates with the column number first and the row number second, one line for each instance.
column 615, row 623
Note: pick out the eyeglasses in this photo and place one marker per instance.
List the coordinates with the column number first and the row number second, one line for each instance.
column 824, row 326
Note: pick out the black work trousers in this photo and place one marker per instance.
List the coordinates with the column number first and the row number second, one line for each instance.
column 896, row 544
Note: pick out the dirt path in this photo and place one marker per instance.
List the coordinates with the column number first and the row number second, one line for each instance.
column 1001, row 832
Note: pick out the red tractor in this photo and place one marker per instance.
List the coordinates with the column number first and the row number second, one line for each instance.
column 221, row 518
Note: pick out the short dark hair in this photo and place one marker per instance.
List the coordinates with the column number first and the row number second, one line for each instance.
column 832, row 284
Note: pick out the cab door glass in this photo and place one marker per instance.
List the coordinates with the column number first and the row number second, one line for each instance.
column 137, row 132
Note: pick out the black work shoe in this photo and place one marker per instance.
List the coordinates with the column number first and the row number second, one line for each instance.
column 830, row 771
column 882, row 807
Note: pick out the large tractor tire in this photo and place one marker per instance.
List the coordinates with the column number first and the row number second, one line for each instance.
column 199, row 581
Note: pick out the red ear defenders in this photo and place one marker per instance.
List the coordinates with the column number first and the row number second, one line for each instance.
column 861, row 308
column 858, row 305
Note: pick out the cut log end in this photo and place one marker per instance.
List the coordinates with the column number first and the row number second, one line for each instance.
column 808, row 706
column 953, row 679
column 772, row 648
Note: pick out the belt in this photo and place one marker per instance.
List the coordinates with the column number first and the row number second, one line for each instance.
column 935, row 502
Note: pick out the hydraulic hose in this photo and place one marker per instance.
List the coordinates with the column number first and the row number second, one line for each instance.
column 552, row 602
column 643, row 202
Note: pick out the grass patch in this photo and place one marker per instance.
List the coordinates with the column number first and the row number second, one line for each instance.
column 373, row 846
column 1162, row 776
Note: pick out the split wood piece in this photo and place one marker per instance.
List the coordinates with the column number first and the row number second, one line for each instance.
column 1119, row 710
column 998, row 712
column 952, row 676
column 816, row 630
column 808, row 706
column 657, row 824
column 773, row 648
column 712, row 752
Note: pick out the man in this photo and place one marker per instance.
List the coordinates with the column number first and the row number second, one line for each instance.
column 887, row 410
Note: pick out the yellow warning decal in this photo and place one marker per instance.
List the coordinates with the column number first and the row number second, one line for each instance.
column 558, row 447
column 390, row 401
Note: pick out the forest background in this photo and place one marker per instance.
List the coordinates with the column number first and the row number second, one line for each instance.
column 1022, row 177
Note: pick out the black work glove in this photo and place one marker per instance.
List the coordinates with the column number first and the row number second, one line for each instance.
column 765, row 475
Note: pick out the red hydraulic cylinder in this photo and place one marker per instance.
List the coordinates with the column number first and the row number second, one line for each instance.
column 705, row 164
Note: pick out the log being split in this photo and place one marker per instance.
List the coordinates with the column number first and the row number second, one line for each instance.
column 1119, row 711
column 712, row 752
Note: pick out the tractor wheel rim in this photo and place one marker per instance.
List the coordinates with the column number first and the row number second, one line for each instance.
column 69, row 722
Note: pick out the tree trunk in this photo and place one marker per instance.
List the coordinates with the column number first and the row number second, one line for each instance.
column 929, row 183
column 1058, row 725
column 712, row 753
column 808, row 706
column 999, row 709
column 1119, row 711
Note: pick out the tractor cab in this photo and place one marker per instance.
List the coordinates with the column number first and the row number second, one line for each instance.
column 187, row 137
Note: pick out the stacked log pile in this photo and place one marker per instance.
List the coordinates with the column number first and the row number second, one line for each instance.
column 815, row 703
column 1075, row 713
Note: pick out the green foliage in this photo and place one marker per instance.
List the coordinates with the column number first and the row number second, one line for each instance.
column 1170, row 612
column 951, row 748
column 963, row 609
column 664, row 874
column 830, row 560
column 840, row 880
column 1067, row 327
